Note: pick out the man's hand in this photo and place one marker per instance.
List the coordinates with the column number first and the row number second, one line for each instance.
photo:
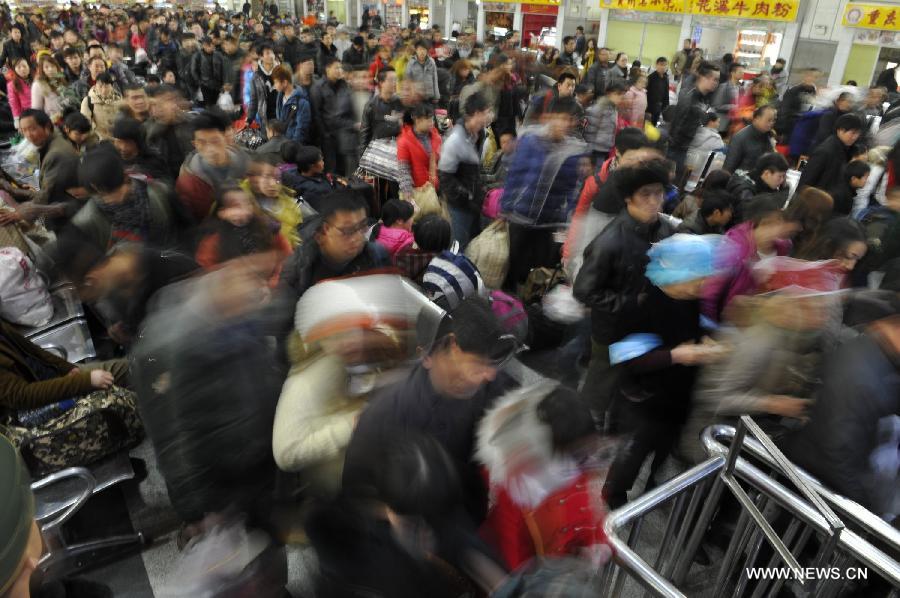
column 74, row 371
column 26, row 212
column 787, row 406
column 101, row 379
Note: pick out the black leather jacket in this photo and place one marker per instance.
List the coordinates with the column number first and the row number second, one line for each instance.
column 374, row 124
column 612, row 277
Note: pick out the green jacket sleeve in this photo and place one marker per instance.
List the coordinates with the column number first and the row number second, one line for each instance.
column 18, row 393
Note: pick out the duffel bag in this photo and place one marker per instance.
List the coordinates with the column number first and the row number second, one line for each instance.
column 100, row 424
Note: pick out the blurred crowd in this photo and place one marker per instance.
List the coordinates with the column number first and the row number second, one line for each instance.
column 438, row 300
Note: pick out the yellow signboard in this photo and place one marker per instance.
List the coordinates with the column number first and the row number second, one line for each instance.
column 884, row 17
column 669, row 6
column 770, row 10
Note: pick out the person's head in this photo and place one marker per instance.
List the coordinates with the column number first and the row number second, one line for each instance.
column 48, row 68
column 627, row 142
column 559, row 119
column 282, row 79
column 396, row 213
column 114, row 53
column 717, row 208
column 810, row 208
column 56, row 40
column 77, row 128
column 21, row 68
column 342, row 230
column 36, row 126
column 643, row 186
column 769, row 221
column 622, row 60
column 856, row 173
column 387, row 82
column 566, row 84
column 764, row 118
column 841, row 239
column 680, row 264
column 306, row 66
column 686, row 45
column 102, row 173
column 421, row 51
column 104, row 84
column 432, row 233
column 358, row 42
column 421, row 117
column 461, row 69
column 309, row 160
column 770, row 170
column 603, row 56
column 15, row 33
column 72, row 58
column 96, row 66
column 568, row 418
column 276, row 128
column 707, row 77
column 136, row 98
column 711, row 120
column 264, row 176
column 736, row 72
column 848, row 128
column 479, row 113
column 875, row 97
column 584, row 93
column 469, row 348
column 211, row 137
column 844, row 102
column 333, row 69
column 70, row 37
column 95, row 50
column 288, row 31
column 637, row 78
column 615, row 92
column 20, row 538
column 569, row 44
column 127, row 137
column 235, row 206
column 809, row 76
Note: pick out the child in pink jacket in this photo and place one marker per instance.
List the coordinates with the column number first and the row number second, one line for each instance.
column 395, row 231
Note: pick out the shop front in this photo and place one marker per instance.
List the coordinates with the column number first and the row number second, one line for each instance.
column 538, row 18
column 752, row 30
column 420, row 15
column 499, row 18
column 876, row 41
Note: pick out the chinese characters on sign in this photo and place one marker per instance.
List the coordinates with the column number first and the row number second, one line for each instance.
column 884, row 17
column 773, row 10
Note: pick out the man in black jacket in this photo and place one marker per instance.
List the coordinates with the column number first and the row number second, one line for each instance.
column 713, row 216
column 445, row 397
column 291, row 46
column 355, row 55
column 658, row 90
column 598, row 75
column 333, row 106
column 233, row 58
column 826, row 164
column 612, row 278
column 208, row 69
column 689, row 114
column 797, row 100
column 310, row 180
column 383, row 115
column 753, row 141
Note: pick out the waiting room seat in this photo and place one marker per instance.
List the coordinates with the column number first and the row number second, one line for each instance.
column 59, row 496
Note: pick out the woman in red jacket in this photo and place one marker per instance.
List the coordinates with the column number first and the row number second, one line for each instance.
column 418, row 151
column 537, row 445
column 18, row 88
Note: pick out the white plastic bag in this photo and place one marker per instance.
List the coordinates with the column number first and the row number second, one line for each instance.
column 225, row 102
column 562, row 307
column 24, row 298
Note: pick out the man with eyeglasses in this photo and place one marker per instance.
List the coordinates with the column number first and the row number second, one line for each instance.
column 337, row 247
column 444, row 396
column 612, row 280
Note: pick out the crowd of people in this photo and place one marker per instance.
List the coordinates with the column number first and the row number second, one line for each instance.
column 313, row 256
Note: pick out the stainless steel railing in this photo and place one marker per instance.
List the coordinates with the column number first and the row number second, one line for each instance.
column 804, row 516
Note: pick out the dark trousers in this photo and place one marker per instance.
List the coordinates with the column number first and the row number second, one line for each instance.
column 210, row 97
column 601, row 381
column 649, row 436
column 529, row 248
column 679, row 156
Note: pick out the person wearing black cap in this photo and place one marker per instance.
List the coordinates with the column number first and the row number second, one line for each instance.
column 444, row 396
column 355, row 55
column 612, row 276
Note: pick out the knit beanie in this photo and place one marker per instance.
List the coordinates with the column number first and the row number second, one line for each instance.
column 450, row 278
column 16, row 512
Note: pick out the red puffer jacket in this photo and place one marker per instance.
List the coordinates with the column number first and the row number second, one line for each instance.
column 567, row 520
column 410, row 150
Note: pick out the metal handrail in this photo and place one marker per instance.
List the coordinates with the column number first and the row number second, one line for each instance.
column 867, row 521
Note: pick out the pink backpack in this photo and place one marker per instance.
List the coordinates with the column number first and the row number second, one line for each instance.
column 491, row 205
column 511, row 313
